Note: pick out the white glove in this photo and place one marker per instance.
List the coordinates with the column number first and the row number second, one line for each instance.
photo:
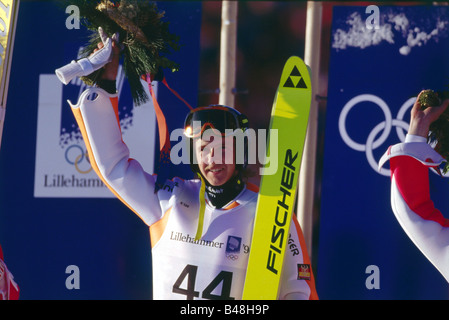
column 86, row 66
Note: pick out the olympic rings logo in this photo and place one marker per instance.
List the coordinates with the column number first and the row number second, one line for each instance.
column 75, row 155
column 231, row 256
column 385, row 127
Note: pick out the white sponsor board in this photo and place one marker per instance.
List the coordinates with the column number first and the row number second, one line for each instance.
column 62, row 167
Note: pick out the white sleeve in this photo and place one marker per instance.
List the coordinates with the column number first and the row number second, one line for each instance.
column 97, row 117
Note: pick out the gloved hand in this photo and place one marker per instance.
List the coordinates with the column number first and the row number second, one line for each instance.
column 86, row 66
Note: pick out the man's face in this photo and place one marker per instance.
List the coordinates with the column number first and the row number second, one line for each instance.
column 215, row 159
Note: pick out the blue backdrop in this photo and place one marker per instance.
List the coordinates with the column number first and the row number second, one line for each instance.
column 42, row 236
column 381, row 69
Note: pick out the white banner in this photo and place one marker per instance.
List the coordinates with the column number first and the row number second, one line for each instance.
column 62, row 164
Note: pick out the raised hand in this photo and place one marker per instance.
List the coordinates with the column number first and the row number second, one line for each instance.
column 421, row 119
column 86, row 66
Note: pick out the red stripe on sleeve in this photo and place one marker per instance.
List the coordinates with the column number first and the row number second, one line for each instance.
column 412, row 180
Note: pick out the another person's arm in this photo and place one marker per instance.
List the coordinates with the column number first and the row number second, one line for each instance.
column 410, row 193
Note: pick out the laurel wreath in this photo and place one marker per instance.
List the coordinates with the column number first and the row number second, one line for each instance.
column 144, row 37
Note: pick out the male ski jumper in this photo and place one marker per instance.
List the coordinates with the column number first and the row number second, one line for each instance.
column 199, row 251
column 212, row 267
column 410, row 199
